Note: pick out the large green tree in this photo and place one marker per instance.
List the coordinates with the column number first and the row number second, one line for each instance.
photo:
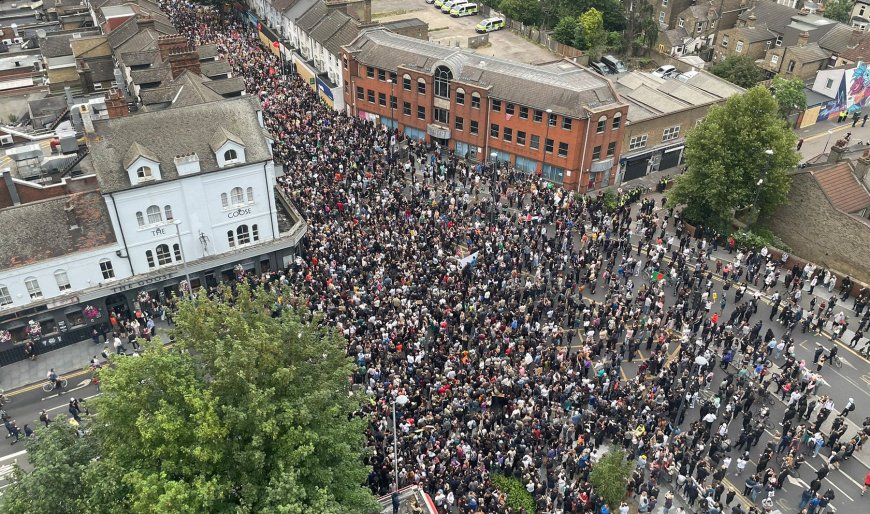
column 592, row 22
column 738, row 69
column 521, row 11
column 725, row 155
column 250, row 412
column 641, row 27
column 789, row 95
column 609, row 477
column 839, row 10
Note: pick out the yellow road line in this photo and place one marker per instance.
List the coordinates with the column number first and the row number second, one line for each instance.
column 825, row 134
column 38, row 385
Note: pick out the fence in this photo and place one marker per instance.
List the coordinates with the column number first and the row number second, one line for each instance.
column 541, row 37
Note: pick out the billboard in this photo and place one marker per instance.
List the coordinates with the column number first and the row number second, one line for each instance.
column 853, row 94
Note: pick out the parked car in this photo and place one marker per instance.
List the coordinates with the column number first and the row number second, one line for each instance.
column 490, row 25
column 615, row 65
column 468, row 9
column 665, row 71
column 599, row 68
column 439, row 3
column 430, row 1
column 449, row 4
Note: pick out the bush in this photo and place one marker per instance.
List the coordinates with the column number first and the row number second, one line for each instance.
column 757, row 238
column 609, row 200
column 609, row 477
column 517, row 496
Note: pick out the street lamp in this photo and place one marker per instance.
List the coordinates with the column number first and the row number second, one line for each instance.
column 177, row 224
column 393, row 121
column 830, row 133
column 754, row 213
column 401, row 400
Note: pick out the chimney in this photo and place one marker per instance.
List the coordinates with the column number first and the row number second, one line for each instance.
column 836, row 152
column 750, row 22
column 171, row 43
column 116, row 104
column 862, row 167
column 803, row 38
column 87, row 122
column 14, row 28
column 184, row 60
column 187, row 164
column 10, row 186
column 86, row 77
column 855, row 37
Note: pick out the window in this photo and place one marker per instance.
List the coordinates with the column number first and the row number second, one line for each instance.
column 524, row 113
column 671, row 133
column 443, row 75
column 231, row 238
column 539, row 115
column 163, row 255
column 5, row 297
column 566, row 123
column 521, row 138
column 535, row 142
column 611, row 148
column 370, row 96
column 830, row 82
column 774, row 59
column 738, row 47
column 154, row 215
column 237, row 196
column 508, row 134
column 725, row 40
column 602, row 124
column 250, row 194
column 167, row 211
column 406, row 82
column 255, row 232
column 144, row 172
column 406, row 108
column 681, row 22
column 230, row 155
column 370, row 72
column 637, row 142
column 421, row 112
column 393, row 77
column 778, row 40
column 617, row 119
column 33, row 287
column 563, row 149
column 360, row 93
column 552, row 117
column 106, row 269
column 459, row 123
column 548, row 145
column 790, row 67
column 382, row 99
column 596, row 153
column 475, row 100
column 473, row 127
column 699, row 27
column 382, row 75
column 394, row 102
column 509, row 108
column 661, row 17
column 225, row 200
column 493, row 130
column 441, row 115
column 421, row 86
column 62, row 280
column 176, row 250
column 460, row 96
column 140, row 219
column 149, row 255
column 243, row 235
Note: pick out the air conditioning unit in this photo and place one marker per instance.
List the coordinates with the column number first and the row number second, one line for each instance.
column 6, row 42
column 6, row 139
column 18, row 40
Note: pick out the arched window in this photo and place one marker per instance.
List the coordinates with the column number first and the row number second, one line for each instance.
column 154, row 215
column 250, row 193
column 475, row 100
column 460, row 96
column 421, row 86
column 163, row 255
column 140, row 219
column 255, row 232
column 406, row 82
column 231, row 238
column 602, row 124
column 149, row 255
column 443, row 76
column 144, row 172
column 167, row 210
column 176, row 250
column 33, row 289
column 225, row 200
column 237, row 196
column 243, row 235
column 62, row 280
column 617, row 119
column 230, row 155
column 5, row 296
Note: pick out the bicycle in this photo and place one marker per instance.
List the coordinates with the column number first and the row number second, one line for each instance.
column 50, row 386
column 836, row 361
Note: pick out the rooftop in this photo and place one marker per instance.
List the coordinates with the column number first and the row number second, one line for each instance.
column 649, row 96
column 842, row 188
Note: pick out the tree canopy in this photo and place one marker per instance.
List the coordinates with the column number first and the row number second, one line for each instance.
column 839, row 10
column 592, row 22
column 789, row 95
column 738, row 69
column 249, row 412
column 725, row 156
column 521, row 11
column 609, row 477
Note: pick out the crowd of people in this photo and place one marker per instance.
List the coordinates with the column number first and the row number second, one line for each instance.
column 495, row 314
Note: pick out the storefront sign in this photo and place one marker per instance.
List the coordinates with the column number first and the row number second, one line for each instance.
column 438, row 131
column 238, row 213
column 158, row 232
column 141, row 282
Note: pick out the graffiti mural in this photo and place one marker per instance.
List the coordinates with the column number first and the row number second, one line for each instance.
column 852, row 95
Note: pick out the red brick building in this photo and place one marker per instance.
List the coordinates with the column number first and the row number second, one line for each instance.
column 558, row 119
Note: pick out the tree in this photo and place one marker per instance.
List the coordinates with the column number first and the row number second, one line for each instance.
column 738, row 69
column 839, row 10
column 566, row 30
column 609, row 477
column 789, row 95
column 249, row 412
column 522, row 11
column 725, row 156
column 594, row 34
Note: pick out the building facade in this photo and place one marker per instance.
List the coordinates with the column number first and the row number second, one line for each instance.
column 559, row 119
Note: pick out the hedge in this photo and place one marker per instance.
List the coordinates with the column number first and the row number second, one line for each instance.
column 517, row 495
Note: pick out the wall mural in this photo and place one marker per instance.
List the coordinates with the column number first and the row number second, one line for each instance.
column 852, row 95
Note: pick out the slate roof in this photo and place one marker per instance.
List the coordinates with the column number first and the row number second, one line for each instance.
column 172, row 132
column 676, row 36
column 136, row 151
column 58, row 45
column 44, row 228
column 842, row 188
column 215, row 68
column 221, row 137
column 770, row 13
column 209, row 51
column 837, row 39
column 298, row 8
column 808, row 53
column 345, row 35
column 50, row 105
column 856, row 53
column 151, row 75
column 102, row 70
column 312, row 17
column 562, row 86
column 753, row 34
column 328, row 26
column 187, row 89
column 141, row 58
column 226, row 86
column 281, row 5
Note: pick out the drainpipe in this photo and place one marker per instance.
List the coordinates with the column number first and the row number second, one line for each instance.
column 270, row 193
column 486, row 128
column 123, row 239
column 585, row 142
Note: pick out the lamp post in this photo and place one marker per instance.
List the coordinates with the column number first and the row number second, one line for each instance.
column 393, row 122
column 830, row 133
column 177, row 224
column 546, row 136
column 401, row 400
column 754, row 213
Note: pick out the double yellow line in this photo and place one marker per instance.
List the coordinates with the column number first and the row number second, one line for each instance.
column 37, row 385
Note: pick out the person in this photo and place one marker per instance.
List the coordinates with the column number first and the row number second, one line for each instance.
column 866, row 484
column 74, row 410
column 54, row 380
column 396, row 502
column 43, row 417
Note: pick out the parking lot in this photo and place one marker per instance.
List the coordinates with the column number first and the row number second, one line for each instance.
column 446, row 30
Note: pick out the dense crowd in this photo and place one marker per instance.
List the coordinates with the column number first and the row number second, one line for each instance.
column 480, row 314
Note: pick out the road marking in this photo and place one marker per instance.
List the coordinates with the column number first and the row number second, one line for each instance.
column 847, row 363
column 64, row 405
column 823, row 134
column 742, row 499
column 13, row 455
column 39, row 384
column 82, row 385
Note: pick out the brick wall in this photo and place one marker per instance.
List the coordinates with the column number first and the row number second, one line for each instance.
column 816, row 231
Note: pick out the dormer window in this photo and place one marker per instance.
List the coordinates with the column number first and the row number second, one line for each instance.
column 141, row 164
column 231, row 156
column 228, row 148
column 144, row 173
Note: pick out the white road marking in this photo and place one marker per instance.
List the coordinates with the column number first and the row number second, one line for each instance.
column 13, row 455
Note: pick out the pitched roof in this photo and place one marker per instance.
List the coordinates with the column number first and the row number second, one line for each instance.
column 172, row 132
column 209, row 51
column 140, row 58
column 298, row 8
column 187, row 89
column 842, row 188
column 221, row 137
column 770, row 13
column 676, row 36
column 102, row 70
column 345, row 35
column 136, row 151
column 753, row 34
column 58, row 45
column 328, row 25
column 90, row 46
column 158, row 74
column 808, row 53
column 215, row 68
column 53, row 228
column 280, row 5
column 312, row 17
column 858, row 52
column 226, row 86
column 837, row 39
column 649, row 96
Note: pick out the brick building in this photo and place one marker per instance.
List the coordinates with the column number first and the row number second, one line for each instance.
column 557, row 119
